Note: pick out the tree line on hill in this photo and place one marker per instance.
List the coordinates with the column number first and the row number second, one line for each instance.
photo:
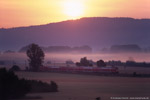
column 97, row 31
column 128, row 64
column 126, row 48
column 62, row 49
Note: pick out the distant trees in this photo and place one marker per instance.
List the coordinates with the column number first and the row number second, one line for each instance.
column 128, row 63
column 84, row 62
column 36, row 57
column 125, row 48
column 115, row 63
column 101, row 63
column 9, row 51
column 62, row 49
column 69, row 62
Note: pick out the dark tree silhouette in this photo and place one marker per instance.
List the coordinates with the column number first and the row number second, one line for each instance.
column 36, row 57
column 11, row 87
column 54, row 86
column 84, row 62
column 78, row 64
column 39, row 86
column 101, row 63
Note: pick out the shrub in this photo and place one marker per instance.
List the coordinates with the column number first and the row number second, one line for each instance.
column 39, row 86
column 84, row 62
column 101, row 63
column 54, row 87
column 11, row 87
column 14, row 68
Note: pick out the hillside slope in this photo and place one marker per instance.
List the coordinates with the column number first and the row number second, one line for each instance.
column 95, row 32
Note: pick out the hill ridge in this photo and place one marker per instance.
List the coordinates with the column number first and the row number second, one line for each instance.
column 92, row 31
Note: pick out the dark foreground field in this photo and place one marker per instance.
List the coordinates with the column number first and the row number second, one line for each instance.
column 88, row 87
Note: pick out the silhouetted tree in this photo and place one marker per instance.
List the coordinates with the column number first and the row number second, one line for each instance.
column 11, row 87
column 78, row 64
column 36, row 57
column 101, row 63
column 39, row 86
column 84, row 62
column 54, row 87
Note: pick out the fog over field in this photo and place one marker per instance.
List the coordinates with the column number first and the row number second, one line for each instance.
column 22, row 59
column 87, row 87
column 74, row 49
column 60, row 58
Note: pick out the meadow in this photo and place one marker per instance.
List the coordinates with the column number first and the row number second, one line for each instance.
column 88, row 87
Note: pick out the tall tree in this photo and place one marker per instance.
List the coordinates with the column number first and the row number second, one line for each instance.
column 36, row 57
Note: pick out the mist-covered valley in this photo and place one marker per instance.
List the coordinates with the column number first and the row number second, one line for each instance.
column 21, row 59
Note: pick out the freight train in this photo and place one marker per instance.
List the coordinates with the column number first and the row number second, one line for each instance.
column 104, row 70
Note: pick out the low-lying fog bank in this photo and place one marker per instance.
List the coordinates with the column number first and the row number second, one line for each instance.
column 9, row 59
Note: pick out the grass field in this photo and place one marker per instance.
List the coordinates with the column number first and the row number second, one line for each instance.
column 88, row 87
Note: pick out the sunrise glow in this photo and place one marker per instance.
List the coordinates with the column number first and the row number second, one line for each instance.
column 73, row 9
column 15, row 13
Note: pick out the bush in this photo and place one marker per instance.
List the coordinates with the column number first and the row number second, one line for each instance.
column 84, row 62
column 14, row 68
column 11, row 87
column 54, row 87
column 39, row 86
column 101, row 63
column 78, row 64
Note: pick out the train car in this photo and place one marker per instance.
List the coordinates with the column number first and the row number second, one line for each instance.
column 80, row 69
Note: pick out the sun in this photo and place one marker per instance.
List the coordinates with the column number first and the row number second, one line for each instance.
column 73, row 9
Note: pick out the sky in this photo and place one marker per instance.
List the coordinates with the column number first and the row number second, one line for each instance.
column 16, row 13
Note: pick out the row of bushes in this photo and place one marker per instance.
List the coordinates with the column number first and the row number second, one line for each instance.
column 11, row 87
column 128, row 63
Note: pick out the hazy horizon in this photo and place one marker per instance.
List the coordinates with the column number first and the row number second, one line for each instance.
column 82, row 49
column 69, row 20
